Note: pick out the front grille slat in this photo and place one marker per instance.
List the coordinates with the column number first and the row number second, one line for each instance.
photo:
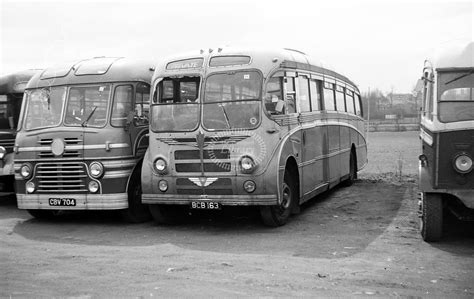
column 55, row 172
column 7, row 142
column 60, row 186
column 63, row 167
column 61, row 191
column 62, row 176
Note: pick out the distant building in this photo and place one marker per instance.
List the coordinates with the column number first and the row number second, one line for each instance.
column 401, row 98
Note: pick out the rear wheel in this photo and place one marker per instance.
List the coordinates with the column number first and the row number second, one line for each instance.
column 431, row 216
column 136, row 211
column 167, row 214
column 278, row 215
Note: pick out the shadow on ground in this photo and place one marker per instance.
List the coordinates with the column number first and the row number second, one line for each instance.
column 336, row 224
column 458, row 236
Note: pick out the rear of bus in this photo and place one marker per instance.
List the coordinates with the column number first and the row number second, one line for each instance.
column 12, row 87
column 447, row 134
column 82, row 138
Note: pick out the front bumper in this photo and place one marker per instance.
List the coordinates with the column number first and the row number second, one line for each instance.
column 113, row 201
column 225, row 200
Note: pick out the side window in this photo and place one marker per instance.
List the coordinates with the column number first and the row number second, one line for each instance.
column 142, row 104
column 122, row 105
column 350, row 101
column 329, row 96
column 274, row 102
column 303, row 94
column 315, row 90
column 358, row 107
column 290, row 95
column 340, row 105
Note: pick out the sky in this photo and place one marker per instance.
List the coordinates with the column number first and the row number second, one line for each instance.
column 377, row 44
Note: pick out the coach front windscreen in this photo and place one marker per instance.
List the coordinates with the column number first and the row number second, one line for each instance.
column 83, row 106
column 228, row 100
column 456, row 96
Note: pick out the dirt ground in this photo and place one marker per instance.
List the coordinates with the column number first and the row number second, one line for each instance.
column 361, row 240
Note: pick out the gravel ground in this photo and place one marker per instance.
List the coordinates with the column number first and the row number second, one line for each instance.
column 359, row 241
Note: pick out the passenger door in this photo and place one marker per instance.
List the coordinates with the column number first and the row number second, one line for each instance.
column 293, row 115
column 138, row 125
column 312, row 134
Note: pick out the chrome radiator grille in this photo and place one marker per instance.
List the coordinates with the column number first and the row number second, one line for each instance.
column 61, row 177
column 213, row 161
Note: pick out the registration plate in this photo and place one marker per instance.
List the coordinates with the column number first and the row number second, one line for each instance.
column 62, row 202
column 205, row 205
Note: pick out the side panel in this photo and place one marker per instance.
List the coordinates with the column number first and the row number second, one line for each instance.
column 429, row 143
column 345, row 147
column 314, row 174
column 334, row 158
column 450, row 145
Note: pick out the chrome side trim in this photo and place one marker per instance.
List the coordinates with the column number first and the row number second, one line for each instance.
column 74, row 147
column 114, row 174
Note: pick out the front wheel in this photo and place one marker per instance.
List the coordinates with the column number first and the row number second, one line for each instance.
column 431, row 216
column 278, row 215
column 136, row 211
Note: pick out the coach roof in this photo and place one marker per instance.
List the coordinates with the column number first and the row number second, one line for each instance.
column 456, row 57
column 16, row 82
column 99, row 69
column 263, row 58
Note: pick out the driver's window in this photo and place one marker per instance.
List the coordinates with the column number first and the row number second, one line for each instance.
column 142, row 104
column 290, row 95
column 274, row 102
column 122, row 106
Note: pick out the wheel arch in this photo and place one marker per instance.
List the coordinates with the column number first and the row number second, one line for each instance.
column 135, row 171
column 354, row 151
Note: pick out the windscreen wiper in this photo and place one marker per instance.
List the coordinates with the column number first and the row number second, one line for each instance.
column 84, row 124
column 460, row 77
column 226, row 116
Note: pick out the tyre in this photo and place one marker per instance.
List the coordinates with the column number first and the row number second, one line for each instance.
column 278, row 215
column 136, row 211
column 42, row 214
column 352, row 170
column 431, row 217
column 167, row 214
